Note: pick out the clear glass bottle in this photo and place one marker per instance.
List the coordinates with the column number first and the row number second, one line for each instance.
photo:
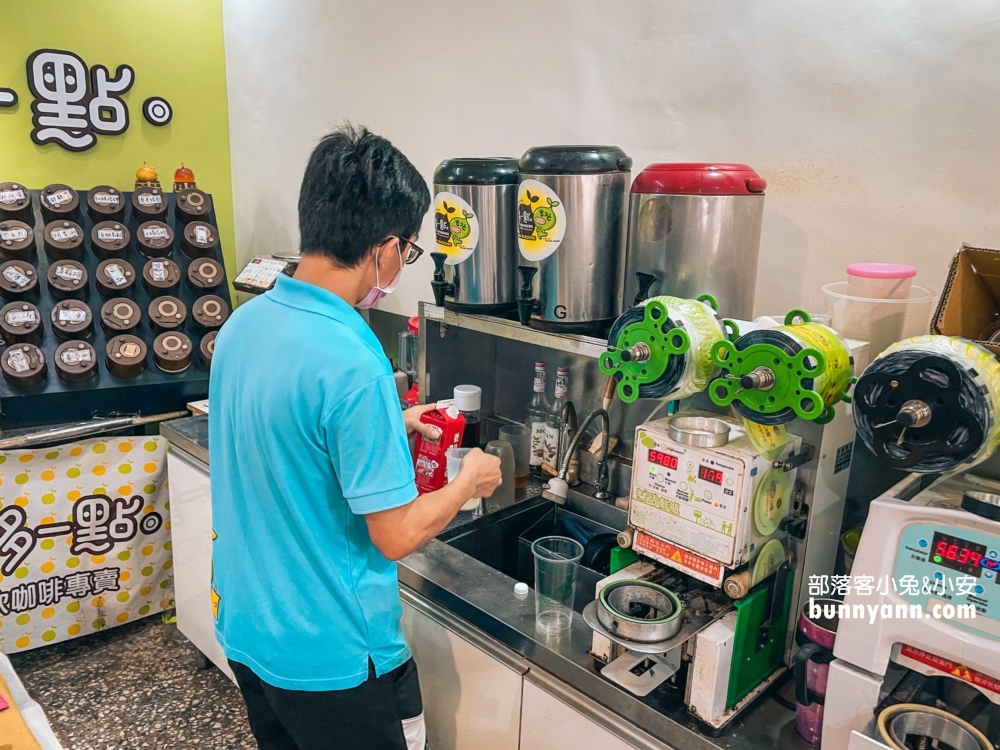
column 537, row 415
column 553, row 420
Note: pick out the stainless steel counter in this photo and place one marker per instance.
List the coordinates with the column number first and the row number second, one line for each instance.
column 483, row 601
column 190, row 434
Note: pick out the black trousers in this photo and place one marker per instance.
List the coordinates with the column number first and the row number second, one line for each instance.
column 382, row 713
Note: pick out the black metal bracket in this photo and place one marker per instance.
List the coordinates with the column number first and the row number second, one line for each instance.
column 777, row 605
column 795, row 460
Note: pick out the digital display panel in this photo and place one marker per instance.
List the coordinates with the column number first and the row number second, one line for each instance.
column 958, row 554
column 663, row 459
column 709, row 474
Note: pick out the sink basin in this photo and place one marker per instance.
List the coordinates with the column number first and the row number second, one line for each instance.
column 502, row 540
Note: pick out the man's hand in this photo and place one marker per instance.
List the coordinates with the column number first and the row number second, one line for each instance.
column 399, row 531
column 481, row 471
column 411, row 418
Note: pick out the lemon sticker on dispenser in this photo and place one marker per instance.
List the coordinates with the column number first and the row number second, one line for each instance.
column 770, row 504
column 770, row 440
column 768, row 561
column 456, row 227
column 541, row 220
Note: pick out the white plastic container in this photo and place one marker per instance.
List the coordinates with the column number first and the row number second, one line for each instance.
column 880, row 280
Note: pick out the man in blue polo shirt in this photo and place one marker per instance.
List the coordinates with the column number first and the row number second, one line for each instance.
column 313, row 495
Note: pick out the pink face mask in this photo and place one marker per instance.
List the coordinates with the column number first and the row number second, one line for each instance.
column 378, row 291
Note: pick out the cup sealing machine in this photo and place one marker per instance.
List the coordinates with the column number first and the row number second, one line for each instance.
column 937, row 536
column 732, row 513
column 918, row 661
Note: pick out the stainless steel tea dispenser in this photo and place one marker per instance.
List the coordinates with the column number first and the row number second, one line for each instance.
column 475, row 258
column 695, row 229
column 571, row 233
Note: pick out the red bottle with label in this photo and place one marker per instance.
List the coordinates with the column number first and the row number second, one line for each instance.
column 430, row 462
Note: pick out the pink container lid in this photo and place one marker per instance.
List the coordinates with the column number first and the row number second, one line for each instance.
column 881, row 270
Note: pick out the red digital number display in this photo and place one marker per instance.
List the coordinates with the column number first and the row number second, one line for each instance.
column 663, row 459
column 957, row 554
column 709, row 475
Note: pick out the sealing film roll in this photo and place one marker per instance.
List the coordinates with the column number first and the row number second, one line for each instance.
column 662, row 348
column 769, row 559
column 774, row 375
column 772, row 500
column 930, row 404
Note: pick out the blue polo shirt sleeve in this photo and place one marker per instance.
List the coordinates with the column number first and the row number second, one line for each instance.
column 366, row 439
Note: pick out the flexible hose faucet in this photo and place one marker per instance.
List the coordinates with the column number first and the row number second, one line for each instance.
column 557, row 489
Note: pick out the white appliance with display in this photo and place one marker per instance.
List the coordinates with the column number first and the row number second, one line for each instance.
column 704, row 500
column 938, row 550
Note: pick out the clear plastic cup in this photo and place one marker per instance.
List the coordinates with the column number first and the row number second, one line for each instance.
column 455, row 456
column 881, row 322
column 519, row 438
column 557, row 559
column 503, row 495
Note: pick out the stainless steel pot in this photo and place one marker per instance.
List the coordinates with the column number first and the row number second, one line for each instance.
column 694, row 229
column 475, row 254
column 571, row 233
column 639, row 611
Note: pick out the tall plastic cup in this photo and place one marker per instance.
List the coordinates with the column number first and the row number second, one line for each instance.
column 519, row 438
column 503, row 495
column 557, row 559
column 455, row 456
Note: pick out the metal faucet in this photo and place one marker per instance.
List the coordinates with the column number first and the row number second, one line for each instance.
column 570, row 427
column 557, row 489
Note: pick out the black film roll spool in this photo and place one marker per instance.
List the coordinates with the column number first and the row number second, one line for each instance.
column 960, row 412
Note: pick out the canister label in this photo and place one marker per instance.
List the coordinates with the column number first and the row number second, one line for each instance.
column 541, row 220
column 456, row 227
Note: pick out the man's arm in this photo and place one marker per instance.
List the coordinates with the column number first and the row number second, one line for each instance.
column 399, row 531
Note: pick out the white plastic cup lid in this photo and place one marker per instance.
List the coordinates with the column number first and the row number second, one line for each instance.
column 521, row 588
column 468, row 397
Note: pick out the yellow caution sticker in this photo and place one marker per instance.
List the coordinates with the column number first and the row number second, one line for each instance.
column 770, row 440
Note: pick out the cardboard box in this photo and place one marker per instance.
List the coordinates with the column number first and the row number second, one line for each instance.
column 970, row 302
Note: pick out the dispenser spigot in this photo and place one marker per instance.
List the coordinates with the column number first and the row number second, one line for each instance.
column 645, row 281
column 441, row 287
column 527, row 304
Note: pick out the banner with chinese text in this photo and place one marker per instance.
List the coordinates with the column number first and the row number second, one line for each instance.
column 84, row 539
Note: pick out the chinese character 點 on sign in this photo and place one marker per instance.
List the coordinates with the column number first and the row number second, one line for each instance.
column 73, row 104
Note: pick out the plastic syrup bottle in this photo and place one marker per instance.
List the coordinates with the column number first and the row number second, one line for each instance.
column 535, row 420
column 553, row 421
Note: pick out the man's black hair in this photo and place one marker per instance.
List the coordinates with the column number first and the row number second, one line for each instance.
column 358, row 189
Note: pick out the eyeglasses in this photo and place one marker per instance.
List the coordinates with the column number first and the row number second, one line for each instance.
column 409, row 250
